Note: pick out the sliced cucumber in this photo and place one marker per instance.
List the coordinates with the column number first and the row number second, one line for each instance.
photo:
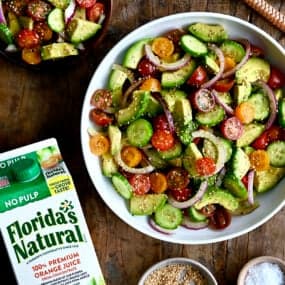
column 261, row 106
column 155, row 159
column 5, row 34
column 193, row 46
column 122, row 185
column 56, row 20
column 281, row 112
column 233, row 50
column 235, row 186
column 276, row 152
column 168, row 217
column 139, row 132
column 171, row 153
column 195, row 215
column 211, row 118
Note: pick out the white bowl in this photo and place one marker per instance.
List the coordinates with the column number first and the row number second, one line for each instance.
column 180, row 260
column 270, row 202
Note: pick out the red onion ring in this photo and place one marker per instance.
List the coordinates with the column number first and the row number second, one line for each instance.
column 246, row 43
column 228, row 109
column 69, row 11
column 220, row 177
column 182, row 205
column 2, row 16
column 167, row 113
column 158, row 228
column 250, row 177
column 187, row 223
column 163, row 65
column 221, row 58
column 272, row 102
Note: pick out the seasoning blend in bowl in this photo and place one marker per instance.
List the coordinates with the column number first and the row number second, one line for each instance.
column 178, row 271
column 263, row 270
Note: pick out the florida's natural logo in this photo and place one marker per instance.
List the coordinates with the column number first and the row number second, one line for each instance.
column 27, row 238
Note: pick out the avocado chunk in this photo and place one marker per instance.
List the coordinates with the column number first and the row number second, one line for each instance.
column 171, row 95
column 267, row 179
column 235, row 186
column 192, row 153
column 146, row 204
column 26, row 22
column 109, row 166
column 242, row 91
column 250, row 133
column 135, row 53
column 239, row 163
column 213, row 33
column 153, row 108
column 62, row 4
column 182, row 112
column 254, row 69
column 80, row 30
column 115, row 136
column 58, row 50
column 261, row 106
column 13, row 23
column 219, row 196
column 137, row 108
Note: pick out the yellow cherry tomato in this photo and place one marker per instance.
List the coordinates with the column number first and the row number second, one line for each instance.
column 162, row 47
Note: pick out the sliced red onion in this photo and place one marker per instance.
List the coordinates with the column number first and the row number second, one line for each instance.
column 220, row 177
column 142, row 170
column 164, row 65
column 272, row 102
column 250, row 177
column 2, row 16
column 101, row 19
column 221, row 58
column 80, row 46
column 228, row 109
column 11, row 48
column 69, row 11
column 216, row 141
column 187, row 223
column 125, row 70
column 167, row 112
column 246, row 43
column 158, row 228
column 182, row 205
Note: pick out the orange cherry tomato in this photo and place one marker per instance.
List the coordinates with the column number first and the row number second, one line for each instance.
column 163, row 47
column 99, row 144
column 94, row 12
column 229, row 63
column 205, row 166
column 151, row 84
column 259, row 160
column 31, row 55
column 158, row 182
column 245, row 112
column 131, row 155
column 162, row 140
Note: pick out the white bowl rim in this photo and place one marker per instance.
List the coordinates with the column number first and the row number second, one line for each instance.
column 118, row 47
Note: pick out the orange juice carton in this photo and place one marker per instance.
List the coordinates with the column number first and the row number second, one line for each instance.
column 42, row 222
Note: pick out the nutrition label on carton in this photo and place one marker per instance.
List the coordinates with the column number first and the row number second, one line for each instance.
column 41, row 219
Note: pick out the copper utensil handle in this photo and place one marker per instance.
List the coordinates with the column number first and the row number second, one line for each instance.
column 269, row 12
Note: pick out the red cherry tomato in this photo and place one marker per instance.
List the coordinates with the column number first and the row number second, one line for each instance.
column 205, row 166
column 160, row 122
column 140, row 183
column 256, row 51
column 16, row 6
column 94, row 12
column 244, row 180
column 38, row 9
column 175, row 35
column 198, row 77
column 203, row 100
column 208, row 210
column 276, row 79
column 101, row 99
column 43, row 30
column 232, row 128
column 261, row 142
column 100, row 118
column 221, row 218
column 28, row 39
column 162, row 140
column 147, row 68
column 177, row 179
column 182, row 194
column 86, row 3
column 272, row 134
column 224, row 85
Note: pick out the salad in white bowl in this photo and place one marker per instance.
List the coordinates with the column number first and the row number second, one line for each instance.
column 183, row 128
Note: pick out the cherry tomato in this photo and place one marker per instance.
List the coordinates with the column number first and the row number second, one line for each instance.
column 162, row 140
column 151, row 84
column 43, row 30
column 99, row 144
column 276, row 79
column 198, row 77
column 177, row 178
column 272, row 134
column 208, row 210
column 245, row 112
column 259, row 160
column 28, row 39
column 175, row 35
column 86, row 3
column 16, row 6
column 158, row 182
column 205, row 166
column 94, row 12
column 244, row 180
column 229, row 63
column 160, row 122
column 131, row 155
column 31, row 55
column 147, row 68
column 101, row 99
column 203, row 100
column 182, row 194
column 256, row 51
column 224, row 85
column 38, row 9
column 100, row 118
column 221, row 218
column 162, row 47
column 140, row 183
column 232, row 128
column 261, row 142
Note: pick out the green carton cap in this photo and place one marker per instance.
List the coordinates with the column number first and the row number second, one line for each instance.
column 26, row 170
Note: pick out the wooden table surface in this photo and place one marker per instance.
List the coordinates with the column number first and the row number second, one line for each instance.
column 39, row 105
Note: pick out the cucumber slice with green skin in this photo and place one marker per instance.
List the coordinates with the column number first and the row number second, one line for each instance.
column 195, row 215
column 5, row 34
column 211, row 118
column 281, row 112
column 233, row 50
column 276, row 152
column 155, row 159
column 261, row 106
column 235, row 186
column 122, row 185
column 56, row 20
column 193, row 46
column 168, row 217
column 171, row 153
column 139, row 132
